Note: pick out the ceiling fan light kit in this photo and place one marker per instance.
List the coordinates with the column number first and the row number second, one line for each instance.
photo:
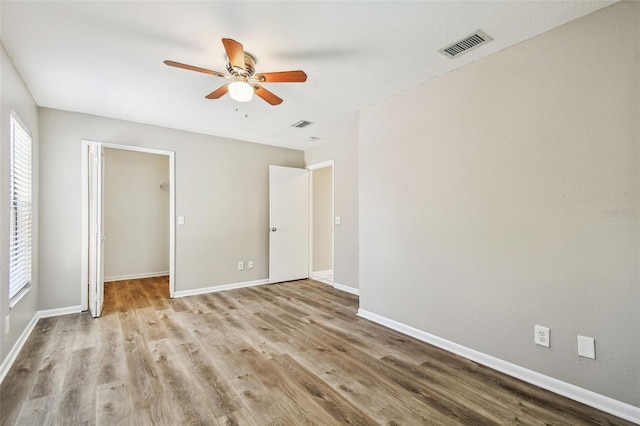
column 240, row 91
column 241, row 68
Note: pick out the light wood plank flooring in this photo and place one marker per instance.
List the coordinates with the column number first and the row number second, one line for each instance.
column 283, row 354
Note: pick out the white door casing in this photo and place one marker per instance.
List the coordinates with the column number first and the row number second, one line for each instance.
column 92, row 267
column 288, row 224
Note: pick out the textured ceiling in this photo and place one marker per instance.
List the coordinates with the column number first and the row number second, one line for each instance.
column 105, row 58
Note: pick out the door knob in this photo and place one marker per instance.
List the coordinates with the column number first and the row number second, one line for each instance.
column 274, row 229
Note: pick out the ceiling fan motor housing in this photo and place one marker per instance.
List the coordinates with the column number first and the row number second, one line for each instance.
column 249, row 67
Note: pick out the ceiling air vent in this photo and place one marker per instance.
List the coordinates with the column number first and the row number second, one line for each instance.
column 468, row 43
column 302, row 123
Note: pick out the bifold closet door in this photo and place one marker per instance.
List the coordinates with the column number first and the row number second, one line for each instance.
column 96, row 228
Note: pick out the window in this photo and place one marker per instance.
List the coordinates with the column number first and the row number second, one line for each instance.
column 20, row 194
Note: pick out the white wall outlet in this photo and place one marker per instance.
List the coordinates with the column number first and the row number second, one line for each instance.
column 240, row 266
column 7, row 324
column 542, row 336
column 250, row 264
column 587, row 347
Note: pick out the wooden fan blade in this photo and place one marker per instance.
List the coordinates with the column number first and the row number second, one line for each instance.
column 192, row 68
column 296, row 76
column 235, row 52
column 218, row 93
column 266, row 95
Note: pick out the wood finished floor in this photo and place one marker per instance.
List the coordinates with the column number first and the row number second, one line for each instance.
column 282, row 354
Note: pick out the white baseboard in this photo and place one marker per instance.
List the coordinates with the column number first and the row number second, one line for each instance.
column 136, row 276
column 595, row 400
column 320, row 273
column 347, row 288
column 216, row 288
column 341, row 287
column 60, row 311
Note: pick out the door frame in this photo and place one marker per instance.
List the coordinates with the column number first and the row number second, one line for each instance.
column 84, row 288
column 311, row 168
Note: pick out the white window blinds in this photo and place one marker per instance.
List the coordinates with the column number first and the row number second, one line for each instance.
column 21, row 211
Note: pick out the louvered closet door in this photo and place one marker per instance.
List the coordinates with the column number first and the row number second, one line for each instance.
column 96, row 228
column 100, row 209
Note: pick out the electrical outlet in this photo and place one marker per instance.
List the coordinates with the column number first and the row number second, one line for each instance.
column 240, row 266
column 250, row 264
column 542, row 336
column 7, row 324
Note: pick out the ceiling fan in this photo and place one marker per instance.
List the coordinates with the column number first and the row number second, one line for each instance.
column 241, row 68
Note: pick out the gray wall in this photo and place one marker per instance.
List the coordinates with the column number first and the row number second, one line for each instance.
column 506, row 194
column 136, row 214
column 344, row 152
column 221, row 189
column 322, row 219
column 15, row 96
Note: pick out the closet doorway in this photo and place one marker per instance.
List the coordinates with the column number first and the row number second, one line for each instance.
column 136, row 227
column 129, row 233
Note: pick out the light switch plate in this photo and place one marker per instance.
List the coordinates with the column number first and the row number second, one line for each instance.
column 180, row 220
column 587, row 347
column 338, row 220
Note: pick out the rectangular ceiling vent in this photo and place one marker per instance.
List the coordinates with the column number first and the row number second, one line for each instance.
column 302, row 123
column 466, row 44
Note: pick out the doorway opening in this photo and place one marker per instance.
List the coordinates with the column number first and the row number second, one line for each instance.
column 136, row 229
column 128, row 224
column 321, row 222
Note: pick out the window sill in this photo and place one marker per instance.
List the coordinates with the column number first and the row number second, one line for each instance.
column 18, row 297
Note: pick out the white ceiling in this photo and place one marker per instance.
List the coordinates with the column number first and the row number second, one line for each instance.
column 105, row 58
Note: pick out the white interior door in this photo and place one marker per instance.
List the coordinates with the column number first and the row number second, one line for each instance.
column 288, row 224
column 96, row 228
